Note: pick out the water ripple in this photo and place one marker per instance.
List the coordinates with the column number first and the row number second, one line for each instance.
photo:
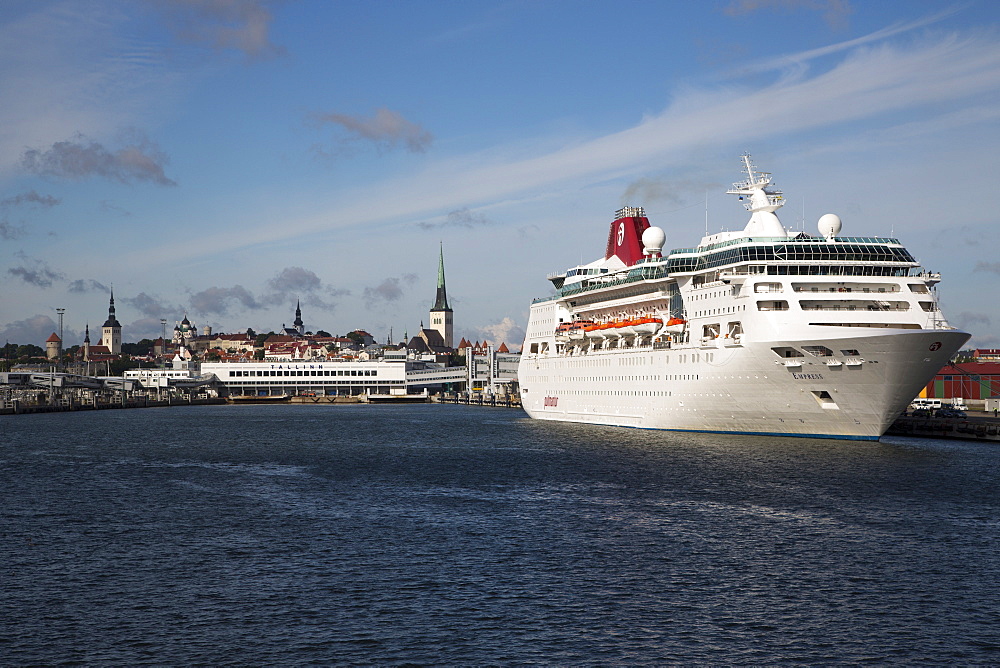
column 448, row 535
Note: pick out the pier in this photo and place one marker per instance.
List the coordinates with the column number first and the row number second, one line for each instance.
column 479, row 399
column 976, row 426
column 23, row 407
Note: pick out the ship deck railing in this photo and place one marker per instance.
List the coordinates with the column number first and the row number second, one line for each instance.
column 815, row 289
column 851, row 307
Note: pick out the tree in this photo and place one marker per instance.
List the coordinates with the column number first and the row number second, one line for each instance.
column 323, row 332
column 29, row 350
column 118, row 367
column 143, row 347
column 356, row 337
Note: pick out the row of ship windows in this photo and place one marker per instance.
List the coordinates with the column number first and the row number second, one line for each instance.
column 272, row 372
column 312, row 382
column 639, row 360
column 917, row 288
column 720, row 311
column 613, row 379
column 614, row 393
column 783, row 305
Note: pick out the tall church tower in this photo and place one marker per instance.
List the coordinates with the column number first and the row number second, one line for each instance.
column 299, row 326
column 111, row 333
column 86, row 345
column 441, row 314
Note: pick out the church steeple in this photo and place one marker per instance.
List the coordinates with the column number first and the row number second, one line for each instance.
column 441, row 299
column 111, row 332
column 441, row 315
column 298, row 324
column 112, row 321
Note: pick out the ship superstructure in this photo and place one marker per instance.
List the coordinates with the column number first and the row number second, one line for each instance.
column 762, row 331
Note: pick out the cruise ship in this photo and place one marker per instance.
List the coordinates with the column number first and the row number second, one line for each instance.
column 760, row 331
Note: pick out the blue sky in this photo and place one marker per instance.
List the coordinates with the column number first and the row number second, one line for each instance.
column 223, row 159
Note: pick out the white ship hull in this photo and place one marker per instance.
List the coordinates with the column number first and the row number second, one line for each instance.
column 744, row 389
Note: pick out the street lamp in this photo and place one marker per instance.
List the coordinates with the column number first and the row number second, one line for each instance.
column 60, row 311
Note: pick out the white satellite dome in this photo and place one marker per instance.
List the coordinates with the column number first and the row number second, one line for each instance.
column 829, row 225
column 653, row 239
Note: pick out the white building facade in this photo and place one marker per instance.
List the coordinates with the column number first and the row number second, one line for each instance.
column 304, row 377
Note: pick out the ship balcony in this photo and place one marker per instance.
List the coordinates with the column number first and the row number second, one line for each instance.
column 826, row 287
column 857, row 305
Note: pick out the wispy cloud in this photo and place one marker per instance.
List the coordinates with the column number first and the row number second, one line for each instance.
column 991, row 267
column 81, row 158
column 463, row 217
column 506, row 331
column 292, row 279
column 35, row 272
column 72, row 68
column 219, row 300
column 969, row 320
column 33, row 330
column 389, row 290
column 802, row 57
column 835, row 12
column 108, row 207
column 31, row 197
column 386, row 129
column 10, row 231
column 240, row 25
column 645, row 190
column 927, row 76
column 285, row 287
column 152, row 306
column 83, row 285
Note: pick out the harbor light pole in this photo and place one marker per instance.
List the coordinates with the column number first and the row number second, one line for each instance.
column 60, row 311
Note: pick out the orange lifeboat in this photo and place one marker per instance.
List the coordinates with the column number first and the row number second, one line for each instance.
column 578, row 329
column 647, row 325
column 676, row 325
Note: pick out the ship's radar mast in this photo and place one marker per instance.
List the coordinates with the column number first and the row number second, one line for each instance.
column 756, row 189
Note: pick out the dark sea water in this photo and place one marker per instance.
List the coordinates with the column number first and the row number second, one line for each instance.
column 436, row 534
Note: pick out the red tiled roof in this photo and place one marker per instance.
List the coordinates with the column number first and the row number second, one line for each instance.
column 977, row 368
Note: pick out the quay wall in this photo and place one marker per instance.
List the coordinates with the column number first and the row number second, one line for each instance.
column 19, row 407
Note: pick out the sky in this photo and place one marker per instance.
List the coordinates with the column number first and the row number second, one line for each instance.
column 226, row 159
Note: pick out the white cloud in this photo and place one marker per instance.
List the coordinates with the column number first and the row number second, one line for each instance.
column 506, row 331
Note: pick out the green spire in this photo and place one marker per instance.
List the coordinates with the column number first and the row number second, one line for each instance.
column 441, row 300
